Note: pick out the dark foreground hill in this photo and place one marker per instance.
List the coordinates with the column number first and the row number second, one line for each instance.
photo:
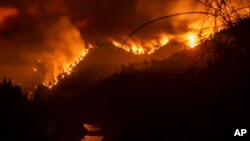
column 205, row 100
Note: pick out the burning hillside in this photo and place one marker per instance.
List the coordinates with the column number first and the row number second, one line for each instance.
column 70, row 50
column 139, row 47
column 42, row 41
column 217, row 15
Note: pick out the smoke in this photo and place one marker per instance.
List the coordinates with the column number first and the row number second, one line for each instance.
column 38, row 50
column 117, row 19
column 63, row 48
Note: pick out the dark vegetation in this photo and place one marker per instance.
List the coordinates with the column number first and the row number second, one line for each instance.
column 206, row 101
column 23, row 118
column 18, row 114
column 199, row 94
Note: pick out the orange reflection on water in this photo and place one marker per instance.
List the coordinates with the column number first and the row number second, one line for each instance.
column 92, row 138
column 91, row 128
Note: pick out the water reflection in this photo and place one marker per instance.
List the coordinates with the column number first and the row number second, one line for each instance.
column 93, row 133
column 92, row 138
column 91, row 128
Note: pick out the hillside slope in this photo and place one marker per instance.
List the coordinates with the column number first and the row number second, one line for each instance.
column 158, row 104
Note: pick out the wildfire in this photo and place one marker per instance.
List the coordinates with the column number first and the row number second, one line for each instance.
column 69, row 49
column 164, row 41
column 139, row 47
column 67, row 68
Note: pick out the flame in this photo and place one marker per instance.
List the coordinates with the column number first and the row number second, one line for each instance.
column 139, row 47
column 164, row 41
column 69, row 50
column 205, row 25
column 192, row 41
column 67, row 69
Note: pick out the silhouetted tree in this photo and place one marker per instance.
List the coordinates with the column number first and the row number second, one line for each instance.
column 18, row 118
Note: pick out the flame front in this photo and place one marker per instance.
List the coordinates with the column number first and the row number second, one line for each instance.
column 204, row 19
column 66, row 69
column 139, row 47
column 67, row 50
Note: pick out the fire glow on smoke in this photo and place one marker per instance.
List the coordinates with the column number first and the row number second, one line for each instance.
column 7, row 12
column 140, row 47
column 198, row 27
column 70, row 49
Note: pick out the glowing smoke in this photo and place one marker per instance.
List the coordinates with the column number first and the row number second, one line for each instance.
column 191, row 26
column 7, row 12
column 68, row 49
column 61, row 49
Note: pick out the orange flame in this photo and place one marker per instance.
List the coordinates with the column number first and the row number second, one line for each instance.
column 66, row 69
column 192, row 40
column 139, row 47
column 69, row 50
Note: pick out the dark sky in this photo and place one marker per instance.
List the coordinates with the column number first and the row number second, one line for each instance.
column 37, row 37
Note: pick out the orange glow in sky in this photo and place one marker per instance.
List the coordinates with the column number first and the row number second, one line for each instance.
column 6, row 12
